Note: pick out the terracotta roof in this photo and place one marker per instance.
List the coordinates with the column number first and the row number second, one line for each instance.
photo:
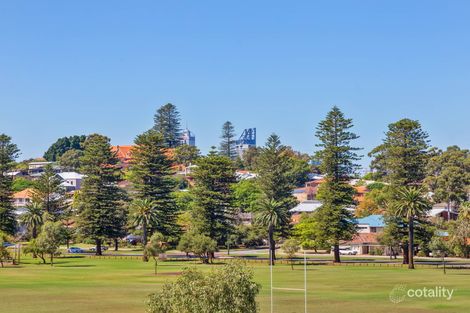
column 24, row 194
column 364, row 238
column 122, row 152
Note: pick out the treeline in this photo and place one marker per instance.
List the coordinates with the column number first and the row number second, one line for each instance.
column 409, row 175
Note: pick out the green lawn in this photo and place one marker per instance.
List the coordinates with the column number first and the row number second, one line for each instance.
column 121, row 285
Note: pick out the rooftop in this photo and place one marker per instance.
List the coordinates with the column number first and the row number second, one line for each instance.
column 372, row 220
column 306, row 206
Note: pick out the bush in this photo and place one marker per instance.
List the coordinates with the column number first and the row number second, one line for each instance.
column 421, row 253
column 227, row 290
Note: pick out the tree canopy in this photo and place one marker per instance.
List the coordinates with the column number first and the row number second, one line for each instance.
column 168, row 124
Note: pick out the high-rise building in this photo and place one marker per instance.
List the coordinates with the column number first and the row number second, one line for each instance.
column 246, row 141
column 188, row 138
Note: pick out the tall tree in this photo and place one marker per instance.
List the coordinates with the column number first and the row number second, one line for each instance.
column 275, row 184
column 338, row 162
column 212, row 208
column 448, row 176
column 401, row 158
column 227, row 145
column 62, row 145
column 411, row 204
column 151, row 175
column 49, row 193
column 167, row 123
column 99, row 200
column 8, row 153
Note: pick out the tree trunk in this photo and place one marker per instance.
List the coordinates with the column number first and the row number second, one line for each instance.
column 272, row 245
column 34, row 232
column 116, row 244
column 98, row 247
column 336, row 253
column 144, row 234
column 52, row 259
column 145, row 257
column 411, row 249
column 404, row 249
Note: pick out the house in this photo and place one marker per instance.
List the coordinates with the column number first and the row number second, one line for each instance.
column 304, row 193
column 364, row 243
column 123, row 153
column 443, row 211
column 21, row 199
column 370, row 224
column 366, row 239
column 35, row 169
column 308, row 206
column 71, row 180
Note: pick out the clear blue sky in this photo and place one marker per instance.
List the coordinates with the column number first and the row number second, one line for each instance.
column 105, row 66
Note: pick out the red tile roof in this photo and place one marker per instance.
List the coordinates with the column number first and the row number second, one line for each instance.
column 24, row 194
column 364, row 238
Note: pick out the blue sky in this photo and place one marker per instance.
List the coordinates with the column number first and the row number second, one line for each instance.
column 105, row 66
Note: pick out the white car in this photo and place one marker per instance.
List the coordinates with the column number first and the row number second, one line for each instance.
column 103, row 248
column 347, row 251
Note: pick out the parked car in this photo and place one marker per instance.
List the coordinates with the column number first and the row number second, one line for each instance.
column 75, row 250
column 103, row 248
column 8, row 244
column 347, row 251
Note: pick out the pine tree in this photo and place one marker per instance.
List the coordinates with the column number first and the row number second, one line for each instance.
column 337, row 162
column 401, row 160
column 49, row 194
column 167, row 123
column 276, row 184
column 8, row 153
column 151, row 175
column 213, row 210
column 402, row 157
column 99, row 200
column 227, row 145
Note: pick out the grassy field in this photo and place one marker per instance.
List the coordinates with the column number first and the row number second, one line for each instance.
column 83, row 284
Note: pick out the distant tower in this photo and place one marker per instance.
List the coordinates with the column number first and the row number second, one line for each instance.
column 188, row 138
column 246, row 140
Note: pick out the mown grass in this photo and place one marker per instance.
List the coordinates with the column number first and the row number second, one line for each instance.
column 82, row 284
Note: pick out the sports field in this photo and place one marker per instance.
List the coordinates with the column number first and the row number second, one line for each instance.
column 82, row 284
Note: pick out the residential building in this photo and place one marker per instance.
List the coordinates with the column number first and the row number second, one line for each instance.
column 71, row 180
column 21, row 199
column 370, row 224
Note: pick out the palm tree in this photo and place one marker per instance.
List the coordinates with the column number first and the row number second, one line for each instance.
column 271, row 214
column 143, row 215
column 411, row 204
column 33, row 217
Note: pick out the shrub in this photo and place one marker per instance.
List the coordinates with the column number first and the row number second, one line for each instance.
column 226, row 290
